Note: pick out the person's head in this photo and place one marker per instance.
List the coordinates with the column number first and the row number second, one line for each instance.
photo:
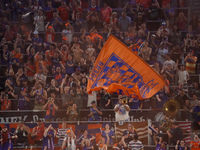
column 182, row 67
column 66, row 89
column 58, row 69
column 49, row 3
column 5, row 47
column 107, row 126
column 50, row 134
column 135, row 137
column 63, row 3
column 78, row 71
column 182, row 143
column 181, row 92
column 21, row 124
column 64, row 125
column 169, row 66
column 120, row 97
column 39, row 122
column 102, row 140
column 53, row 95
column 4, row 129
column 53, row 82
column 123, row 14
column 93, row 103
column 114, row 14
column 175, row 125
column 5, row 97
column 85, row 132
column 105, row 4
column 196, row 137
column 130, row 127
column 39, row 85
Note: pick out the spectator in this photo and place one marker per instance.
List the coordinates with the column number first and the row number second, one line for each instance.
column 29, row 70
column 68, row 32
column 161, row 97
column 180, row 145
column 24, row 102
column 162, row 51
column 48, row 138
column 135, row 103
column 87, row 145
column 6, row 139
column 120, row 145
column 108, row 132
column 40, row 75
column 124, row 22
column 5, row 103
column 72, row 111
column 52, row 88
column 58, row 75
column 160, row 145
column 49, row 10
column 169, row 71
column 105, row 101
column 5, row 54
column 35, row 7
column 144, row 3
column 121, row 110
column 21, row 134
column 105, row 12
column 101, row 144
column 77, row 22
column 181, row 21
column 36, row 41
column 112, row 21
column 62, row 133
column 93, row 9
column 194, row 89
column 129, row 133
column 146, row 51
column 135, row 144
column 169, row 61
column 39, row 21
column 50, row 34
column 40, row 96
column 78, row 75
column 163, row 30
column 83, row 137
column 63, row 11
column 19, row 42
column 56, row 22
column 51, row 109
column 69, row 141
column 154, row 11
column 94, row 112
column 183, row 76
column 176, row 133
column 37, row 133
column 196, row 122
column 93, row 22
column 8, row 34
column 190, row 61
column 77, row 52
column 195, row 144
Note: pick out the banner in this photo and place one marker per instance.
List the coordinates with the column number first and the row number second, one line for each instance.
column 118, row 68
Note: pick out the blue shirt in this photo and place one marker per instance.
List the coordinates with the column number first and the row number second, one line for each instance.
column 95, row 116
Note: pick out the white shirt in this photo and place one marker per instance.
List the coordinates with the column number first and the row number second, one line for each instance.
column 122, row 114
column 68, row 34
column 170, row 62
column 182, row 76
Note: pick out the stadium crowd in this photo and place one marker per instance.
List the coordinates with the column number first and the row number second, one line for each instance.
column 48, row 49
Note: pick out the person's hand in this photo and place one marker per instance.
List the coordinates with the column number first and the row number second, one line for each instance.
column 177, row 142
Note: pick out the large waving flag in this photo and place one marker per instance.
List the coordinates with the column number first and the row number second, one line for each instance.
column 118, row 68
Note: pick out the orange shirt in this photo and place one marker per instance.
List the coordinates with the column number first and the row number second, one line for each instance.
column 48, row 52
column 38, row 64
column 195, row 145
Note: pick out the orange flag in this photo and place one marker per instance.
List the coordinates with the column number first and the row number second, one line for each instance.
column 117, row 69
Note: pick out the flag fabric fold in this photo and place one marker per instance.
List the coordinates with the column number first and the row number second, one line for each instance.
column 117, row 68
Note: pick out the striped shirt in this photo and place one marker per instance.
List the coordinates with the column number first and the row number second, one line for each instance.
column 62, row 133
column 135, row 145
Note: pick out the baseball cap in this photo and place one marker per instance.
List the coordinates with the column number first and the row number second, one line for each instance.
column 35, row 32
column 164, row 23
